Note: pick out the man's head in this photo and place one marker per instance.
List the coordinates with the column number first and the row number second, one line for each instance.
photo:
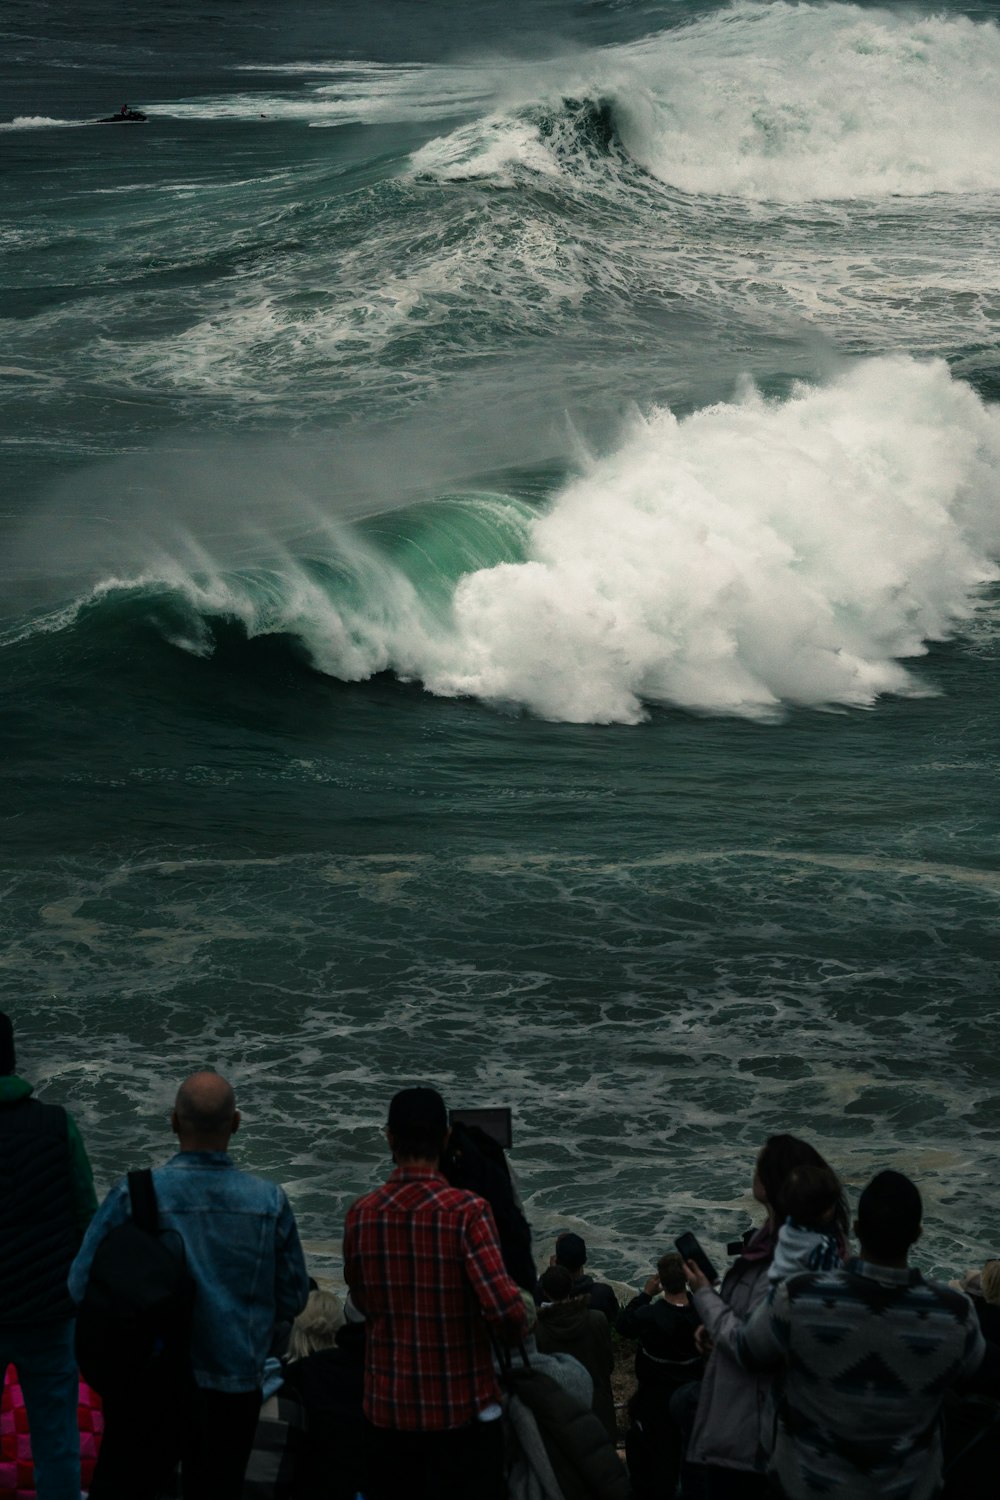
column 571, row 1251
column 8, row 1057
column 670, row 1270
column 888, row 1222
column 205, row 1113
column 417, row 1128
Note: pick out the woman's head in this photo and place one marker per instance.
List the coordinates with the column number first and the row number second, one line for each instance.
column 317, row 1325
column 779, row 1157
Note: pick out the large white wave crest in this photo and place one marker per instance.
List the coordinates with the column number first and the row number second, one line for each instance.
column 752, row 555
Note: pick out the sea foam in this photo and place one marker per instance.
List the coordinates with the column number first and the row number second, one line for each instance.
column 799, row 102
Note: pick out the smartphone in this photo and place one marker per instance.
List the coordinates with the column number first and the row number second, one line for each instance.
column 690, row 1249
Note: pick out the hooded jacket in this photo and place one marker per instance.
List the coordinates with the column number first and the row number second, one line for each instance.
column 573, row 1327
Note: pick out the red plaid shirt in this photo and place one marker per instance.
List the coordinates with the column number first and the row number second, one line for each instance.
column 423, row 1263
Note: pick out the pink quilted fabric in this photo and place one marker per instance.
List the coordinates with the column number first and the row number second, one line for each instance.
column 17, row 1472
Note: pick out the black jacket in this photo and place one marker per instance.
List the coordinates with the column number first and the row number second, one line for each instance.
column 38, row 1231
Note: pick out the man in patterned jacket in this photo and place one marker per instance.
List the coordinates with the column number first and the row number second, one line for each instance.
column 869, row 1353
column 423, row 1263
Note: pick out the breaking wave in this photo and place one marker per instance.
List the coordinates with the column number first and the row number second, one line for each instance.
column 756, row 554
column 774, row 102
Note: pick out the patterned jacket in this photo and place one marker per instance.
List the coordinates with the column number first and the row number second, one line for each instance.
column 868, row 1355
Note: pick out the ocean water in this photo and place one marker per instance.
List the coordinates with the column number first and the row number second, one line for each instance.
column 499, row 553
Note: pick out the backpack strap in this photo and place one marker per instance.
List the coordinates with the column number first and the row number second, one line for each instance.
column 143, row 1199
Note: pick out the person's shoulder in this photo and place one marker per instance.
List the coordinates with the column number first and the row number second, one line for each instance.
column 367, row 1202
column 805, row 1284
column 959, row 1304
column 235, row 1182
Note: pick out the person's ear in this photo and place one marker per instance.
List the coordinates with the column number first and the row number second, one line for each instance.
column 175, row 1124
column 237, row 1117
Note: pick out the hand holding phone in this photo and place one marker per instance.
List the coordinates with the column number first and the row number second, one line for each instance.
column 690, row 1249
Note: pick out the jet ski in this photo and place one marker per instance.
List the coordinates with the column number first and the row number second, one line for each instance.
column 125, row 116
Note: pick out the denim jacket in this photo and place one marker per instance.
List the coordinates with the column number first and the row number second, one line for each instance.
column 242, row 1250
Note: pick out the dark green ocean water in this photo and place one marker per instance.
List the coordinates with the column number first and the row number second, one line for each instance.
column 498, row 549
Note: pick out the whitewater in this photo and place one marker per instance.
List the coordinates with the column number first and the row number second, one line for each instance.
column 500, row 584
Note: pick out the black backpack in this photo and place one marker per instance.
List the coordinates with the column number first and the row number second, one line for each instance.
column 475, row 1161
column 135, row 1318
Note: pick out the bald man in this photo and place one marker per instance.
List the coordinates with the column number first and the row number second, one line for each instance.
column 243, row 1251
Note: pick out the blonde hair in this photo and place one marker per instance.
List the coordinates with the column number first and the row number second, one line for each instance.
column 990, row 1282
column 316, row 1325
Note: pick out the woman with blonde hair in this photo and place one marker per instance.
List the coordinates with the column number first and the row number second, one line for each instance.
column 326, row 1368
column 317, row 1325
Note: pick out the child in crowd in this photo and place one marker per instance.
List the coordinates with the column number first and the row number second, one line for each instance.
column 810, row 1239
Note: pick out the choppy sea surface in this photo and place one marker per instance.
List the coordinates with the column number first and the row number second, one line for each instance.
column 499, row 586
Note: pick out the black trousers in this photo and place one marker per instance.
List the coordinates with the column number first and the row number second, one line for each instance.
column 147, row 1432
column 464, row 1463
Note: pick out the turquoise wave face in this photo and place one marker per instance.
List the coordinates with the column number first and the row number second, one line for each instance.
column 465, row 477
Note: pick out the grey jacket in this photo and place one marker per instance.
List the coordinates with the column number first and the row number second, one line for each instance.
column 732, row 1427
column 531, row 1476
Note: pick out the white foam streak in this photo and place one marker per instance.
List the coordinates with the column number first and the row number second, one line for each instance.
column 37, row 122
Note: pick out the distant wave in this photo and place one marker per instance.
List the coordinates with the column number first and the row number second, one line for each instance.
column 754, row 555
column 773, row 102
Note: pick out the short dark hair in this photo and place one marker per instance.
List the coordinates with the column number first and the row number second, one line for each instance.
column 418, row 1142
column 556, row 1283
column 418, row 1123
column 670, row 1269
column 889, row 1215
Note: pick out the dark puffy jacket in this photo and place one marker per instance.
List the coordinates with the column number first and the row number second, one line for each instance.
column 38, row 1231
column 582, row 1456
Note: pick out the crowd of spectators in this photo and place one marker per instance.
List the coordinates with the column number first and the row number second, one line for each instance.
column 821, row 1363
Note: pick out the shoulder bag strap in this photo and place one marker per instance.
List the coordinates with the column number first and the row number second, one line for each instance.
column 143, row 1198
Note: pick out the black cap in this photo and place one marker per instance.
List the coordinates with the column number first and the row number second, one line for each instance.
column 413, row 1109
column 571, row 1251
column 8, row 1057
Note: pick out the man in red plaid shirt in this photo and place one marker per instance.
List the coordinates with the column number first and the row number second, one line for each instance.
column 423, row 1263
